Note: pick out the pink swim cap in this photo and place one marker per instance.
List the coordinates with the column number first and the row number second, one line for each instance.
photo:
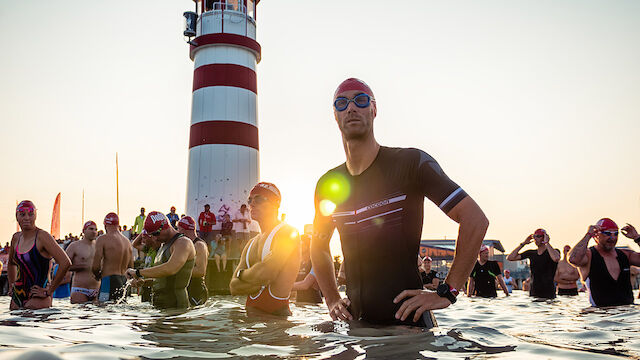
column 540, row 232
column 112, row 219
column 25, row 206
column 87, row 224
column 353, row 84
column 483, row 248
column 187, row 223
column 607, row 224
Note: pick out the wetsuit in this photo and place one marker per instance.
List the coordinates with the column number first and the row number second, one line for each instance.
column 603, row 290
column 33, row 269
column 311, row 295
column 543, row 270
column 198, row 292
column 150, row 255
column 171, row 291
column 379, row 216
column 484, row 277
column 264, row 300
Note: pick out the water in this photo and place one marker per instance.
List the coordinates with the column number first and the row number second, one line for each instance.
column 502, row 328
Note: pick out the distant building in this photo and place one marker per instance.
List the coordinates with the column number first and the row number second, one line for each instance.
column 441, row 252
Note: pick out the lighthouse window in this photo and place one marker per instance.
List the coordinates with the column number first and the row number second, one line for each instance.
column 233, row 5
column 250, row 8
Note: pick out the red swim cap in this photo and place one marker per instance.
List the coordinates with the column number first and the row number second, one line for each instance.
column 25, row 206
column 268, row 190
column 89, row 223
column 428, row 258
column 540, row 232
column 607, row 224
column 155, row 221
column 483, row 248
column 187, row 223
column 112, row 219
column 353, row 84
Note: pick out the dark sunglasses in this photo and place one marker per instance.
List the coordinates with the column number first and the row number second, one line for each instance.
column 257, row 200
column 538, row 236
column 361, row 101
column 609, row 233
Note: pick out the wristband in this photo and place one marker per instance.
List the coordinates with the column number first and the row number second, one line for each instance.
column 637, row 240
column 138, row 275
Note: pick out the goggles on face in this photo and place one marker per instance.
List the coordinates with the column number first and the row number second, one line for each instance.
column 361, row 100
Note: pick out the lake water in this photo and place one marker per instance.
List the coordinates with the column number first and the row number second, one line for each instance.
column 504, row 328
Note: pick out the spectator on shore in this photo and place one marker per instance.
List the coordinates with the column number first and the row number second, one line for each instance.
column 226, row 230
column 241, row 223
column 173, row 217
column 126, row 233
column 138, row 223
column 206, row 220
column 219, row 251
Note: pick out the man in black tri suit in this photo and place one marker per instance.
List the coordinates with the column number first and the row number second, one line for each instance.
column 543, row 263
column 605, row 269
column 375, row 200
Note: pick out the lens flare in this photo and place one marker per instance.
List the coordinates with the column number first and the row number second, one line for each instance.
column 335, row 188
column 327, row 207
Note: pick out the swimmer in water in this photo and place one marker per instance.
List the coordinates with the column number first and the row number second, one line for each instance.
column 112, row 256
column 84, row 287
column 173, row 264
column 543, row 263
column 484, row 276
column 270, row 261
column 509, row 281
column 198, row 292
column 605, row 269
column 30, row 260
column 567, row 275
column 375, row 200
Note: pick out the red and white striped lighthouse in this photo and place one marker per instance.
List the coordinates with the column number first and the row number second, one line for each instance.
column 223, row 143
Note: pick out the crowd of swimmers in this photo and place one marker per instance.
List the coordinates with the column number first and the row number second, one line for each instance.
column 374, row 199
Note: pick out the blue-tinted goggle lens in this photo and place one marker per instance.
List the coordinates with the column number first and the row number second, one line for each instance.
column 361, row 101
column 609, row 233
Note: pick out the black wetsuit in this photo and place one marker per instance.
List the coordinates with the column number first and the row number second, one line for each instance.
column 603, row 290
column 543, row 270
column 171, row 291
column 198, row 292
column 427, row 278
column 379, row 216
column 484, row 277
column 311, row 295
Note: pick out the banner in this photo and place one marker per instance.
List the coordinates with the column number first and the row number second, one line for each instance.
column 55, row 219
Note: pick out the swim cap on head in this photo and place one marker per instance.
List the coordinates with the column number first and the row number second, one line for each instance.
column 187, row 223
column 87, row 224
column 483, row 248
column 155, row 221
column 25, row 206
column 111, row 219
column 268, row 190
column 607, row 224
column 427, row 258
column 540, row 232
column 353, row 84
column 506, row 271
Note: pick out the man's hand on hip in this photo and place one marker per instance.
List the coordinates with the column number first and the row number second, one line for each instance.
column 419, row 301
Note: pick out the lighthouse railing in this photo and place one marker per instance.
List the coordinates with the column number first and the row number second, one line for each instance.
column 218, row 12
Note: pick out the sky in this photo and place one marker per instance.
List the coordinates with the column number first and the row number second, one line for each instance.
column 531, row 106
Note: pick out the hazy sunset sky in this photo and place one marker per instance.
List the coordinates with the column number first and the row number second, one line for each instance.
column 533, row 107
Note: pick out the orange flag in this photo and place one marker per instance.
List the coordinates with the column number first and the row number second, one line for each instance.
column 55, row 219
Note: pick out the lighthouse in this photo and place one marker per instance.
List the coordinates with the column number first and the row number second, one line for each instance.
column 223, row 138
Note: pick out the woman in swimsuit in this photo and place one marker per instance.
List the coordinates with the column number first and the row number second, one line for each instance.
column 30, row 260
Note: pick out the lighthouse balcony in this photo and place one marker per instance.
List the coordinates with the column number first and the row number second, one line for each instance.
column 230, row 18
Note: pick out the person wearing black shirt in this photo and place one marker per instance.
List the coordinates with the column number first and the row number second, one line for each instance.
column 484, row 275
column 605, row 269
column 543, row 263
column 376, row 201
column 429, row 277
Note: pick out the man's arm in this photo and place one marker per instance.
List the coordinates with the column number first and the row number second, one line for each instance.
column 285, row 243
column 515, row 254
column 473, row 227
column 634, row 257
column 305, row 284
column 237, row 286
column 553, row 253
column 503, row 286
column 180, row 252
column 434, row 284
column 579, row 255
column 96, row 266
column 71, row 253
column 471, row 288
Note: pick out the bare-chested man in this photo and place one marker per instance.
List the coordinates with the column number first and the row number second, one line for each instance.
column 269, row 262
column 566, row 275
column 84, row 287
column 30, row 261
column 112, row 258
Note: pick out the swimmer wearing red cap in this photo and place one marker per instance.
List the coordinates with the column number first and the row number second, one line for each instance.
column 567, row 275
column 112, row 257
column 198, row 292
column 375, row 200
column 269, row 262
column 84, row 287
column 543, row 263
column 605, row 270
column 30, row 286
column 173, row 265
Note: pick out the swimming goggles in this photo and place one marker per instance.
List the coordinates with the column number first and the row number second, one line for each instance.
column 361, row 100
column 609, row 233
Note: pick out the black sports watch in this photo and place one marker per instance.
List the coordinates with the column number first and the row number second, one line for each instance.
column 445, row 291
column 637, row 241
column 138, row 275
